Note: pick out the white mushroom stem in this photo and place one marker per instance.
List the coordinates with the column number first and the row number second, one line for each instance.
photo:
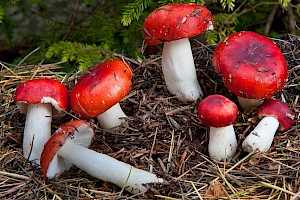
column 262, row 136
column 112, row 117
column 37, row 130
column 107, row 168
column 247, row 103
column 179, row 70
column 222, row 142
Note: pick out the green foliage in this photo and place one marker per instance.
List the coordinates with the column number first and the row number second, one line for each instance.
column 80, row 54
column 224, row 25
column 101, row 30
column 133, row 11
column 1, row 14
column 298, row 9
column 116, row 26
column 227, row 4
column 284, row 3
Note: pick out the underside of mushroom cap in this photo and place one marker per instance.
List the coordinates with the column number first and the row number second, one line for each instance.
column 280, row 111
column 252, row 65
column 42, row 90
column 78, row 131
column 176, row 21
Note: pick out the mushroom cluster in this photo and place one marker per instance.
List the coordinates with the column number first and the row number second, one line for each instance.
column 251, row 65
column 96, row 94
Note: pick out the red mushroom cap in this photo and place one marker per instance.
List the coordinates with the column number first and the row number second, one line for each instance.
column 252, row 65
column 217, row 111
column 42, row 90
column 176, row 21
column 101, row 88
column 279, row 110
column 78, row 131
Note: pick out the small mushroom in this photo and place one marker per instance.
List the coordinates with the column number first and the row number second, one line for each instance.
column 172, row 25
column 219, row 113
column 274, row 115
column 38, row 98
column 69, row 145
column 252, row 67
column 99, row 91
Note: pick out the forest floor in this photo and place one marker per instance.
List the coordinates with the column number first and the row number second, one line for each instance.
column 161, row 135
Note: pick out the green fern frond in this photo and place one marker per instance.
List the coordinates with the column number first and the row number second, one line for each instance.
column 81, row 54
column 212, row 37
column 1, row 14
column 102, row 30
column 229, row 4
column 224, row 25
column 133, row 11
column 298, row 9
column 284, row 3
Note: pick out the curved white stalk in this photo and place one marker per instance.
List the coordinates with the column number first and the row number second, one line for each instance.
column 107, row 168
column 179, row 70
column 262, row 136
column 247, row 103
column 112, row 117
column 37, row 130
column 222, row 142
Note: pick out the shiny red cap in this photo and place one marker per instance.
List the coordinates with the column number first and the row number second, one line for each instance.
column 279, row 110
column 252, row 65
column 217, row 111
column 42, row 90
column 101, row 88
column 176, row 21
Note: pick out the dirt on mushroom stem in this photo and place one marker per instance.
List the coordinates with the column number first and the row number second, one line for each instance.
column 145, row 140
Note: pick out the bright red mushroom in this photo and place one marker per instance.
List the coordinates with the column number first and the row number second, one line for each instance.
column 275, row 115
column 252, row 67
column 99, row 91
column 38, row 99
column 172, row 25
column 219, row 113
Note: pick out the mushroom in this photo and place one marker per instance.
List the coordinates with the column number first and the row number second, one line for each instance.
column 274, row 115
column 219, row 113
column 172, row 25
column 69, row 145
column 98, row 92
column 36, row 98
column 252, row 67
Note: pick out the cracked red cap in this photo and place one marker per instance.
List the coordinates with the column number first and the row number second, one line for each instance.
column 42, row 90
column 101, row 88
column 280, row 111
column 252, row 65
column 217, row 111
column 176, row 21
column 78, row 131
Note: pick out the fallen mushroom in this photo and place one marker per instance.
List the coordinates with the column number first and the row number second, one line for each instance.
column 69, row 145
column 36, row 98
column 275, row 115
column 219, row 113
column 252, row 67
column 172, row 25
column 98, row 92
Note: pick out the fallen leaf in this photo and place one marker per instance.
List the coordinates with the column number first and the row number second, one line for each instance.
column 216, row 190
